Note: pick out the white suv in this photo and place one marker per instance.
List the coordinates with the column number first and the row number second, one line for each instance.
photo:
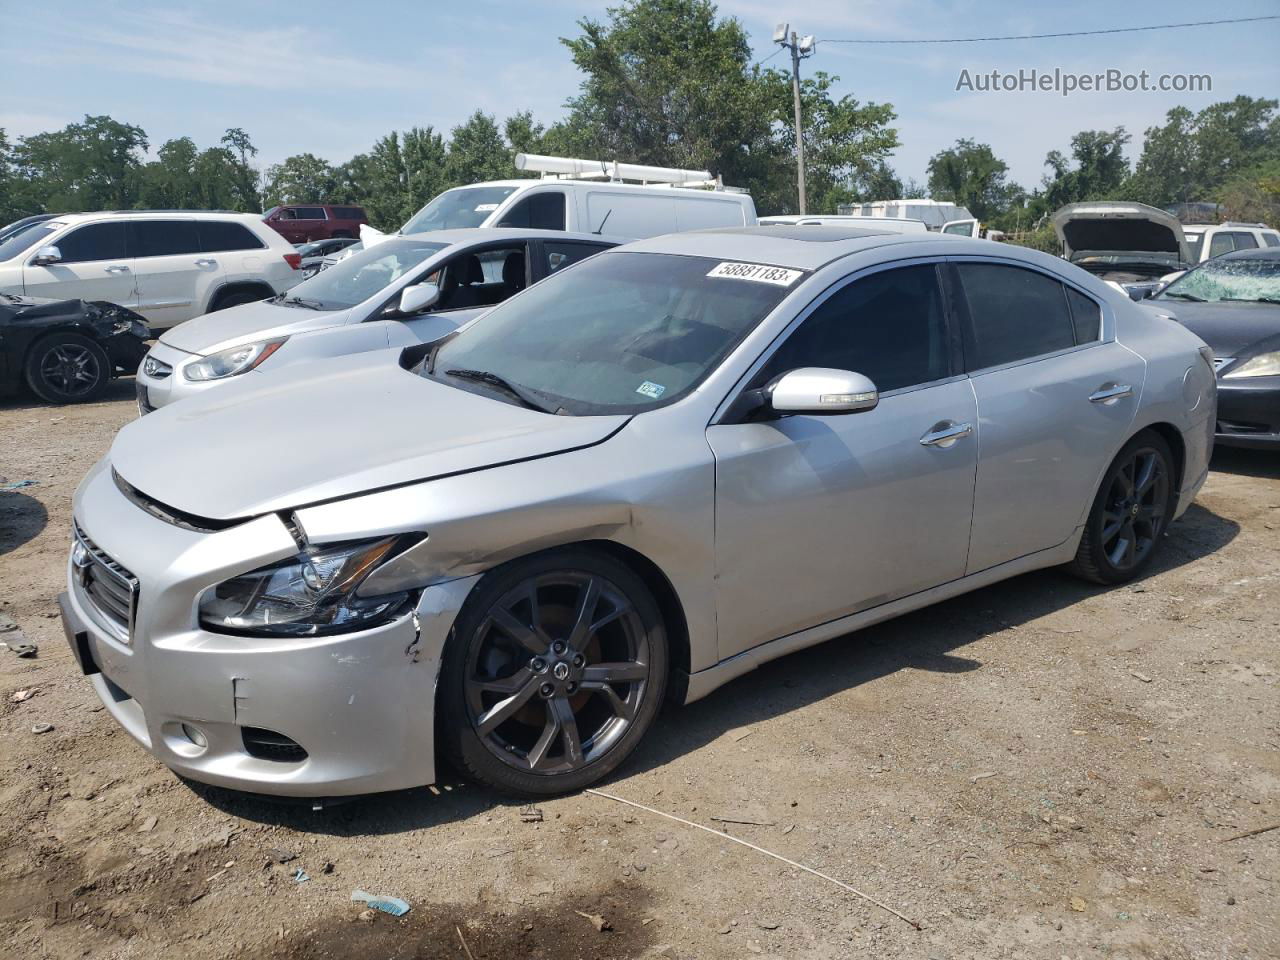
column 168, row 266
column 1207, row 241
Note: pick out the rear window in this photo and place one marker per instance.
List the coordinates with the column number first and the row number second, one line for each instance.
column 1271, row 239
column 347, row 213
column 163, row 238
column 217, row 236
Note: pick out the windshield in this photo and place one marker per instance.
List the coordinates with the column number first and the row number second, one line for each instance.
column 361, row 276
column 463, row 207
column 1193, row 245
column 24, row 240
column 618, row 333
column 1251, row 279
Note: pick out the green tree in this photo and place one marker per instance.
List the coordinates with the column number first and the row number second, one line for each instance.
column 971, row 175
column 244, row 174
column 1097, row 168
column 666, row 82
column 302, row 178
column 477, row 151
column 846, row 145
column 92, row 165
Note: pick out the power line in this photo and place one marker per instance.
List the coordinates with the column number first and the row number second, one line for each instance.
column 1072, row 33
column 771, row 56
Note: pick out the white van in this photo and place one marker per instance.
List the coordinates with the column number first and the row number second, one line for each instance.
column 586, row 196
column 880, row 224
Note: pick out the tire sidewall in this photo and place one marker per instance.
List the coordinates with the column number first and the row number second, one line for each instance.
column 458, row 738
column 1107, row 572
column 48, row 393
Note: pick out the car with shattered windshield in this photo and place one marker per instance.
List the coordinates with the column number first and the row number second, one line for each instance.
column 657, row 469
column 1232, row 303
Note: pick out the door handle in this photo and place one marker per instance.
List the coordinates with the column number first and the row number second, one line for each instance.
column 118, row 268
column 206, row 262
column 1111, row 393
column 945, row 433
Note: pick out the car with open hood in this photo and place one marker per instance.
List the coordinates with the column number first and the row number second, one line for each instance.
column 66, row 351
column 403, row 291
column 1232, row 303
column 1129, row 245
column 655, row 470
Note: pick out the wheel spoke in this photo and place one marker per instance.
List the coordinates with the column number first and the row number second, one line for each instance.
column 1130, row 544
column 1148, row 474
column 621, row 708
column 619, row 611
column 527, row 637
column 504, row 710
column 624, row 672
column 1112, row 522
column 563, row 712
column 588, row 600
column 538, row 752
column 506, row 685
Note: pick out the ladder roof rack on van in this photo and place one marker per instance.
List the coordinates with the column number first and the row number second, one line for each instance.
column 614, row 171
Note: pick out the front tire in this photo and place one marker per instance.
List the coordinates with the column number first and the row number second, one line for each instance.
column 1130, row 513
column 554, row 672
column 67, row 368
column 235, row 298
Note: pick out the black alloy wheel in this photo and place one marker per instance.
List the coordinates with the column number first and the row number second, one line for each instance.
column 67, row 368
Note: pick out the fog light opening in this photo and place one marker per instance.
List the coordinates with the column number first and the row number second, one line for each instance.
column 195, row 735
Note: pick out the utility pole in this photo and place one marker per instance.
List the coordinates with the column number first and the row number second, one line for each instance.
column 800, row 48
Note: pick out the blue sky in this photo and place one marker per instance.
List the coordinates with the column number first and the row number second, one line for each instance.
column 330, row 77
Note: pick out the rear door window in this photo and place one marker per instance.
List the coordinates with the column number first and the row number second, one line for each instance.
column 1086, row 316
column 561, row 254
column 1014, row 314
column 347, row 213
column 164, row 238
column 95, row 241
column 217, row 236
column 1244, row 241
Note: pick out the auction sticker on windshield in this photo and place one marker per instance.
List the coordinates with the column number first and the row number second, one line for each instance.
column 759, row 272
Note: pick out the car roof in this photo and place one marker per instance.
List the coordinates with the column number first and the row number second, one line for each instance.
column 1258, row 253
column 801, row 248
column 497, row 234
column 70, row 218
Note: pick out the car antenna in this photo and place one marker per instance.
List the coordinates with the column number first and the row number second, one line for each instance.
column 596, row 231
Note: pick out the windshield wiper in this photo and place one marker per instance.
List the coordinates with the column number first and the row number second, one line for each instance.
column 300, row 302
column 1254, row 299
column 493, row 380
column 1185, row 296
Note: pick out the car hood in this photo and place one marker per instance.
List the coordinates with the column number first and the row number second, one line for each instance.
column 1232, row 329
column 1133, row 228
column 247, row 323
column 329, row 429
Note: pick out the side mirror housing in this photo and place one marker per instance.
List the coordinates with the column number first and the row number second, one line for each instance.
column 822, row 390
column 417, row 298
column 45, row 255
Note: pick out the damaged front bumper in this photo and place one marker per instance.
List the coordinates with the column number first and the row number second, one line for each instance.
column 306, row 717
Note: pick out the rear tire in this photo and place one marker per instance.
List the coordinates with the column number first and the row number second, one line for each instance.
column 554, row 672
column 67, row 368
column 1130, row 514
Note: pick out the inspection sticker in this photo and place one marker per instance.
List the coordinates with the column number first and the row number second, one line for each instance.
column 486, row 207
column 759, row 272
column 651, row 390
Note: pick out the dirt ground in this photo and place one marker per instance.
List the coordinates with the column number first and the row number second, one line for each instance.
column 1040, row 769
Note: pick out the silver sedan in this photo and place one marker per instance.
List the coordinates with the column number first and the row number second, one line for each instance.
column 640, row 478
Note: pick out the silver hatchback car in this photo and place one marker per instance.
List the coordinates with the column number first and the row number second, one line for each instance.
column 640, row 478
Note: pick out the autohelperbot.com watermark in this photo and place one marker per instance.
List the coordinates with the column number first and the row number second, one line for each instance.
column 1065, row 82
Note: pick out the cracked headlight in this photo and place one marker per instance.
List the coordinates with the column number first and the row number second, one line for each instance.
column 233, row 360
column 311, row 594
column 1263, row 365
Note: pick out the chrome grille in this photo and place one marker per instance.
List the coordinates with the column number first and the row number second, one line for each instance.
column 110, row 589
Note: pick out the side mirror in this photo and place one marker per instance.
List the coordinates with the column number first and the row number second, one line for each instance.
column 822, row 390
column 45, row 255
column 417, row 298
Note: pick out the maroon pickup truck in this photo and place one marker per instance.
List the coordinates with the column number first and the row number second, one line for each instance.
column 304, row 222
